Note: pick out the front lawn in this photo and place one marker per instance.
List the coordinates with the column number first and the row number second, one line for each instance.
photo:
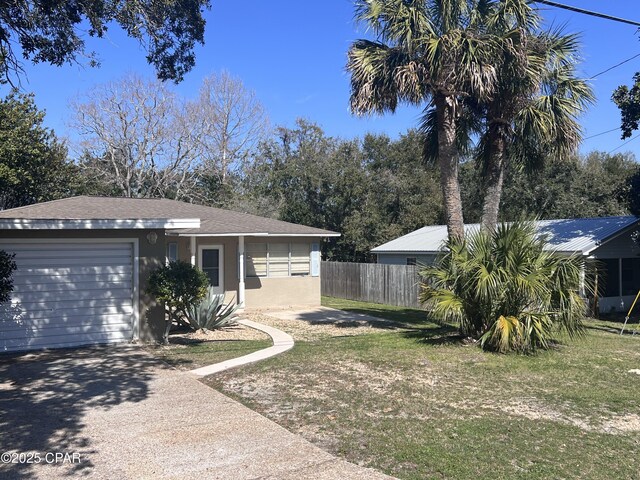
column 191, row 350
column 417, row 402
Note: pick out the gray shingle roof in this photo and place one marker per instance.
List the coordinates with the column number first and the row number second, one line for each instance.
column 214, row 221
column 564, row 235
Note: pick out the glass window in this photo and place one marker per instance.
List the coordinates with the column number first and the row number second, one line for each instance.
column 278, row 259
column 172, row 252
column 630, row 276
column 300, row 259
column 609, row 278
column 211, row 265
column 256, row 259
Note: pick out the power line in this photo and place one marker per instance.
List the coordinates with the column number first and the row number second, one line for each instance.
column 615, row 66
column 628, row 141
column 601, row 133
column 588, row 12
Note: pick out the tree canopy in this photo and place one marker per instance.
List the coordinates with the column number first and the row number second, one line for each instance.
column 51, row 31
column 628, row 101
column 33, row 162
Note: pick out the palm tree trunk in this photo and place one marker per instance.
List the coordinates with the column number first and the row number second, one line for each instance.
column 448, row 163
column 493, row 178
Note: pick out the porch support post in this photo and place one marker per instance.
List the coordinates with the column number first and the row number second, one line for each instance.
column 192, row 249
column 582, row 291
column 241, row 271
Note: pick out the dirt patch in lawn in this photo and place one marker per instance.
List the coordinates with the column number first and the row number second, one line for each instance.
column 234, row 332
column 305, row 331
column 338, row 382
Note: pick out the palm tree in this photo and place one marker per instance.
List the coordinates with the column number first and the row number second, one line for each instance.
column 427, row 53
column 503, row 288
column 534, row 107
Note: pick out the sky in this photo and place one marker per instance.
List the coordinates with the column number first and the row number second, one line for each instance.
column 292, row 53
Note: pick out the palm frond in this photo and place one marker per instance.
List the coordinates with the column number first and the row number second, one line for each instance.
column 503, row 287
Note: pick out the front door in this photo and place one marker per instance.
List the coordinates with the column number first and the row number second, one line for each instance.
column 211, row 262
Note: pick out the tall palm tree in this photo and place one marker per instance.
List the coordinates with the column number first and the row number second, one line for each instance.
column 535, row 104
column 427, row 53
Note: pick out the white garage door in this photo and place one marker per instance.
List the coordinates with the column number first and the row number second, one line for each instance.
column 68, row 294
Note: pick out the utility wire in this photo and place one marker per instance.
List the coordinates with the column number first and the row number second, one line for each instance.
column 588, row 12
column 615, row 66
column 601, row 133
column 628, row 141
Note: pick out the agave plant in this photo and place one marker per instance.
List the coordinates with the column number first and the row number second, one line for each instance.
column 503, row 288
column 211, row 312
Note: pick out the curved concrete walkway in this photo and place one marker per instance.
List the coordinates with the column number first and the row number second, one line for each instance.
column 281, row 343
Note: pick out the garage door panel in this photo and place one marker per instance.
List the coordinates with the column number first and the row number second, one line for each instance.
column 71, row 253
column 55, row 321
column 42, row 311
column 65, row 286
column 71, row 278
column 82, row 262
column 70, row 328
column 26, row 246
column 69, row 294
column 24, row 300
column 65, row 340
column 76, row 304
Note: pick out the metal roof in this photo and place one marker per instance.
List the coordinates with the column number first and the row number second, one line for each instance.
column 580, row 235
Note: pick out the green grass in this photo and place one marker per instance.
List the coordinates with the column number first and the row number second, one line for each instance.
column 418, row 403
column 196, row 355
column 407, row 316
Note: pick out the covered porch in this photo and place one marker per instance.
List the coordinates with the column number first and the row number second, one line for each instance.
column 257, row 270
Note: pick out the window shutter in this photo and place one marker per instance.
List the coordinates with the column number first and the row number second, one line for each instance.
column 278, row 259
column 256, row 259
column 300, row 259
column 315, row 259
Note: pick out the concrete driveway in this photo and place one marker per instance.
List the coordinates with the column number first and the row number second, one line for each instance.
column 120, row 413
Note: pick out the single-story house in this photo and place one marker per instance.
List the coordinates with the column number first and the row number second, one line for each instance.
column 83, row 264
column 609, row 240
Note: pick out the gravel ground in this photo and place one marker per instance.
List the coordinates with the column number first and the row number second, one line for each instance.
column 236, row 332
column 295, row 324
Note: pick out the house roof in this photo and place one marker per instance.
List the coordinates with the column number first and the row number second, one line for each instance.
column 179, row 218
column 580, row 235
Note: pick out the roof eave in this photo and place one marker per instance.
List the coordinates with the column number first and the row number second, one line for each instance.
column 252, row 234
column 97, row 223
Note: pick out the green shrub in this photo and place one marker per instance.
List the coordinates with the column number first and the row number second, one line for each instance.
column 178, row 285
column 7, row 267
column 504, row 289
column 211, row 313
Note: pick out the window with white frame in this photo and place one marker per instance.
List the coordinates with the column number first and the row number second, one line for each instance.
column 172, row 252
column 278, row 259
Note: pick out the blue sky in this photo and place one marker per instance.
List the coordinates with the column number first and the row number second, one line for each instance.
column 292, row 53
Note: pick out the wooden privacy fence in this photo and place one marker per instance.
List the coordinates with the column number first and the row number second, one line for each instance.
column 372, row 282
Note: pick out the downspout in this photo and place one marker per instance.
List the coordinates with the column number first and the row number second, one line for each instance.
column 192, row 249
column 241, row 271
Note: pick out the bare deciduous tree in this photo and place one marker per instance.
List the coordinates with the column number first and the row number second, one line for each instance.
column 144, row 141
column 231, row 121
column 139, row 137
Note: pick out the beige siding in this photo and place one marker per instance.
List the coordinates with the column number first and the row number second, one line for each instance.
column 282, row 292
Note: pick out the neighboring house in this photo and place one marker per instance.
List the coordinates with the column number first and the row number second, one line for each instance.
column 83, row 265
column 608, row 240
